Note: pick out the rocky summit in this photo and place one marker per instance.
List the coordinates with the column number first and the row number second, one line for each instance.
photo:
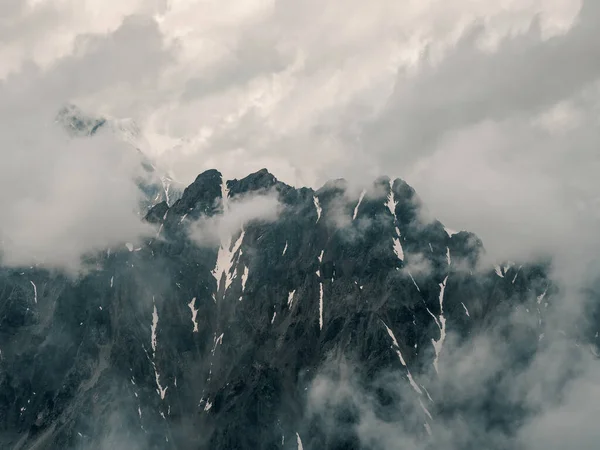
column 262, row 316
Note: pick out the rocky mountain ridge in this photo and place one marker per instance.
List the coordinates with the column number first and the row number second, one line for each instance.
column 222, row 343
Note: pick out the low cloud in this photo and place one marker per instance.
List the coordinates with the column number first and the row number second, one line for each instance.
column 63, row 198
column 451, row 98
column 417, row 264
column 494, row 390
column 571, row 421
column 522, row 205
column 238, row 212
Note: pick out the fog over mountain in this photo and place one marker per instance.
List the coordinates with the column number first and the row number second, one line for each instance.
column 275, row 224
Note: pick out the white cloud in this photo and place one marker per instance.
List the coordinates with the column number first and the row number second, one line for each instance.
column 60, row 197
column 417, row 264
column 463, row 93
column 487, row 394
column 43, row 31
column 239, row 211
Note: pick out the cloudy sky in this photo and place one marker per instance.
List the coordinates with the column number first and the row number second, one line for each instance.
column 488, row 108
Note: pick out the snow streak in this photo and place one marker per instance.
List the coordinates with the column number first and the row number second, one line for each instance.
column 360, row 199
column 191, row 305
column 225, row 260
column 391, row 204
column 396, row 348
column 300, row 447
column 317, row 207
column 441, row 323
column 34, row 291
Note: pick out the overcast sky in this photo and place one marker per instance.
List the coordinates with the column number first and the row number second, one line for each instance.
column 489, row 109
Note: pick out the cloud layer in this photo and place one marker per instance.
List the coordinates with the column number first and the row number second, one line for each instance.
column 488, row 110
column 487, row 394
column 61, row 197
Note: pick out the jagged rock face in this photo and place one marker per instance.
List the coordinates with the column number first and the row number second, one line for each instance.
column 214, row 345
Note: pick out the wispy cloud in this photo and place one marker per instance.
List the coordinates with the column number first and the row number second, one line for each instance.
column 238, row 212
column 501, row 388
column 452, row 98
column 62, row 198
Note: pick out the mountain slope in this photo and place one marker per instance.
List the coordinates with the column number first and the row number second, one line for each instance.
column 223, row 336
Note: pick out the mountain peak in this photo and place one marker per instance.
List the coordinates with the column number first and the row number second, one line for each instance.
column 204, row 190
column 257, row 181
column 338, row 185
